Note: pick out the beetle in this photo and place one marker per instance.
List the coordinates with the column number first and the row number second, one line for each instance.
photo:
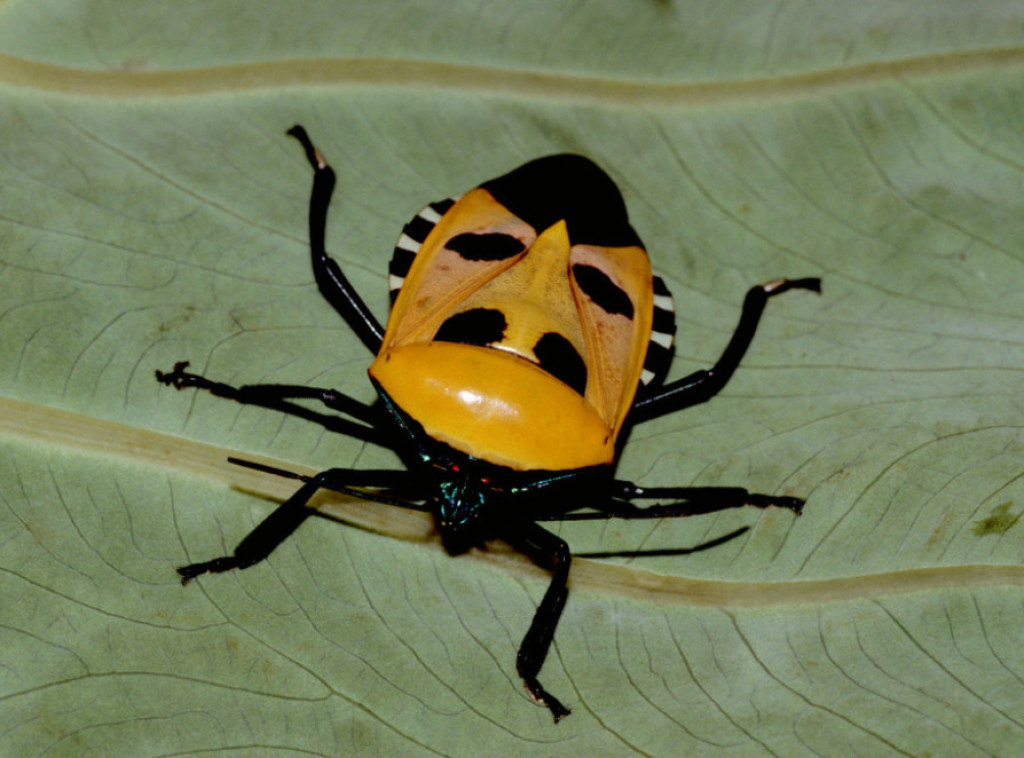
column 527, row 335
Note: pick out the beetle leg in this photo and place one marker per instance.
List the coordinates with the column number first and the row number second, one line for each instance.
column 387, row 487
column 552, row 553
column 701, row 386
column 695, row 501
column 333, row 284
column 700, row 500
column 277, row 396
column 262, row 540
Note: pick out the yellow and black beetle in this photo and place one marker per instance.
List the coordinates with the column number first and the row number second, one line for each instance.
column 527, row 332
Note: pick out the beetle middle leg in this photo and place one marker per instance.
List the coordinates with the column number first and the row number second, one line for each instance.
column 701, row 386
column 278, row 396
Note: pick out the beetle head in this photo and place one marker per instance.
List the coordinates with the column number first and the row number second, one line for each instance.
column 459, row 505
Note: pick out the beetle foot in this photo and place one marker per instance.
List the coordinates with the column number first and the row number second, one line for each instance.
column 794, row 504
column 779, row 286
column 542, row 697
column 217, row 565
column 179, row 378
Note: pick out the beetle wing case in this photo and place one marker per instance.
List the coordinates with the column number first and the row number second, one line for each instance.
column 494, row 406
column 522, row 339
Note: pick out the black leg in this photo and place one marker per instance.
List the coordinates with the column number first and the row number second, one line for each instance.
column 262, row 540
column 277, row 396
column 333, row 284
column 695, row 501
column 387, row 486
column 704, row 499
column 701, row 386
column 549, row 552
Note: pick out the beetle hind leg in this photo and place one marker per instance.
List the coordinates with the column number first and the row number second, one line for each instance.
column 330, row 279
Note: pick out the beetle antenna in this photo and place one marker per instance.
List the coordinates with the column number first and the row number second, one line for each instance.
column 325, row 481
column 669, row 551
column 270, row 469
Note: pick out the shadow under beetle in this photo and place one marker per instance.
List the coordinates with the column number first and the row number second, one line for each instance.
column 527, row 334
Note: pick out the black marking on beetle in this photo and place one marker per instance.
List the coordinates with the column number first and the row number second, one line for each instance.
column 571, row 187
column 418, row 228
column 664, row 321
column 401, row 262
column 412, row 237
column 605, row 293
column 485, row 247
column 659, row 347
column 477, row 326
column 655, row 364
column 559, row 358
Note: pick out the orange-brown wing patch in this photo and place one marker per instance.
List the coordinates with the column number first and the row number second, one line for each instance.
column 453, row 263
column 612, row 289
column 536, row 297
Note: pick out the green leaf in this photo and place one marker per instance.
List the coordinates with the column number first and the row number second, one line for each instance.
column 153, row 210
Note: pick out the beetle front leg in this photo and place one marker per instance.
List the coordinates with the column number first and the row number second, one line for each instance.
column 383, row 485
column 262, row 540
column 691, row 501
column 552, row 553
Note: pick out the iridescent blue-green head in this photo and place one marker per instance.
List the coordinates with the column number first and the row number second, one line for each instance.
column 458, row 506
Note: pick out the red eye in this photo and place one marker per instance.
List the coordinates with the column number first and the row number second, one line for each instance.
column 455, row 469
column 485, row 480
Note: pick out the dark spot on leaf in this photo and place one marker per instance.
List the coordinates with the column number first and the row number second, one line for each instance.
column 999, row 522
